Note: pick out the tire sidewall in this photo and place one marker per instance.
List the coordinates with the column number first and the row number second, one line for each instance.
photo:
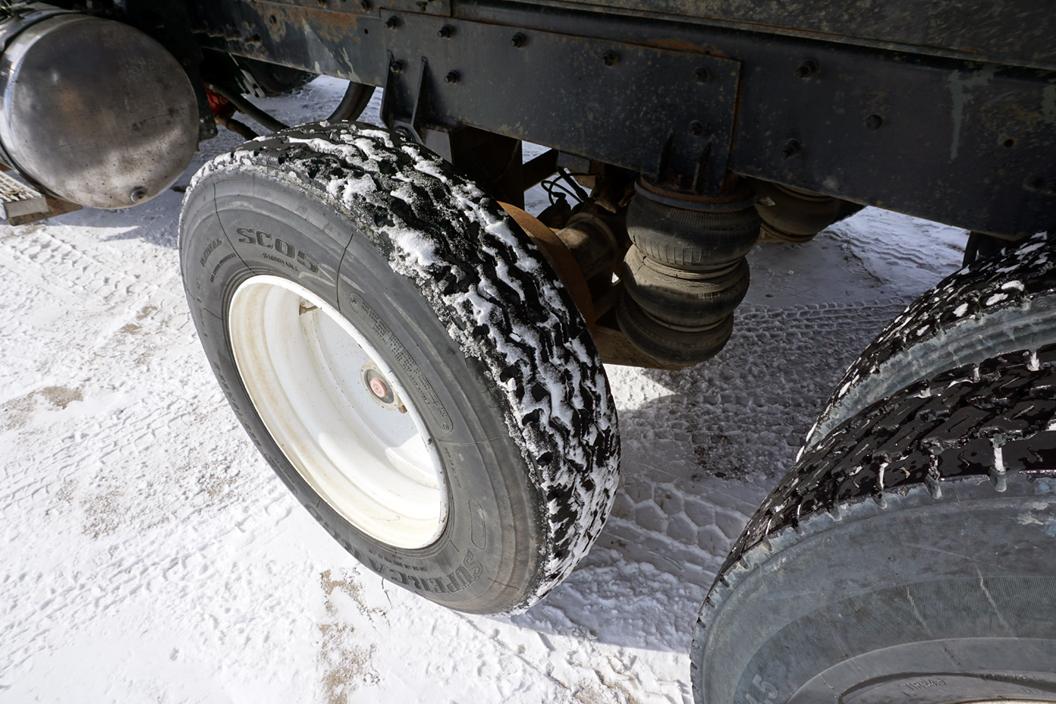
column 839, row 609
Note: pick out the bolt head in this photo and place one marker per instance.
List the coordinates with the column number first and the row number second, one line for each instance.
column 808, row 68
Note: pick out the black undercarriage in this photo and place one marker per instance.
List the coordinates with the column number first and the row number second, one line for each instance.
column 696, row 127
column 948, row 113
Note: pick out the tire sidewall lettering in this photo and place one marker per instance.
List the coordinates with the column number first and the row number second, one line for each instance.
column 268, row 241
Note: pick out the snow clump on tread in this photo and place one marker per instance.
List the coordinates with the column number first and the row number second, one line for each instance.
column 492, row 290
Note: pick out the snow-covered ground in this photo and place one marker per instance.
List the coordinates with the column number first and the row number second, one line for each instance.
column 149, row 554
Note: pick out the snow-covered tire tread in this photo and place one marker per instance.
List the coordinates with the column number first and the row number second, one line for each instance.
column 990, row 307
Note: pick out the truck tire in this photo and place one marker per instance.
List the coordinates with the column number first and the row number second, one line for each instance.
column 910, row 555
column 404, row 359
column 986, row 309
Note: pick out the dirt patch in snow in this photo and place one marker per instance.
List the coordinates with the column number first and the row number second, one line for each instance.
column 17, row 412
column 102, row 514
column 344, row 665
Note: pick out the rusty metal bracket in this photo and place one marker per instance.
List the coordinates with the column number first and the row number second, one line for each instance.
column 401, row 107
column 557, row 255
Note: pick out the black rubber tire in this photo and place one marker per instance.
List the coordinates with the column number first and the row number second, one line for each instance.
column 272, row 79
column 354, row 101
column 986, row 309
column 693, row 240
column 475, row 325
column 275, row 80
column 904, row 558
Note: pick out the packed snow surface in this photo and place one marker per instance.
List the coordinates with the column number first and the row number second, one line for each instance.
column 150, row 555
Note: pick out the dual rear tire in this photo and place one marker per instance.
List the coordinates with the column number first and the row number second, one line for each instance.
column 910, row 554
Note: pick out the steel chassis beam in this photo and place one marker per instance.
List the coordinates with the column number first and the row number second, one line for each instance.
column 970, row 144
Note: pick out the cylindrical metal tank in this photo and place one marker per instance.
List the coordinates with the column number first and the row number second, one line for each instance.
column 92, row 110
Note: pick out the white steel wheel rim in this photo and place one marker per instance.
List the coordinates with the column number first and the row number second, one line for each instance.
column 337, row 412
